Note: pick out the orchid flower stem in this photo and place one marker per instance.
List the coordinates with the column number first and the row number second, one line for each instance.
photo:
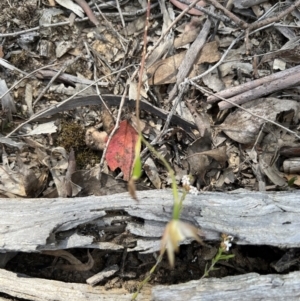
column 134, row 296
column 177, row 203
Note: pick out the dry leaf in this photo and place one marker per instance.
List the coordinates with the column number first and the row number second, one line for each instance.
column 43, row 128
column 165, row 71
column 75, row 8
column 121, row 149
column 190, row 33
column 243, row 127
column 19, row 179
column 151, row 171
column 199, row 163
column 8, row 104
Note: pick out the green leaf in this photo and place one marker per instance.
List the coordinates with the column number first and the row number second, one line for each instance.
column 291, row 181
column 226, row 257
column 137, row 168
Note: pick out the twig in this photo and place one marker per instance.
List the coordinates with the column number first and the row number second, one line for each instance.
column 242, row 4
column 37, row 28
column 61, row 103
column 269, row 20
column 67, row 78
column 142, row 66
column 209, row 13
column 120, row 12
column 229, row 14
column 112, row 28
column 27, row 76
column 262, row 90
column 62, row 69
column 172, row 112
column 88, row 11
column 190, row 58
column 9, row 66
column 249, row 112
column 253, row 84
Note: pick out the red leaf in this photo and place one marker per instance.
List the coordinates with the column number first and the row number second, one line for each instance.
column 120, row 152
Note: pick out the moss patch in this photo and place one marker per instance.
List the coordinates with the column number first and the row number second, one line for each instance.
column 72, row 135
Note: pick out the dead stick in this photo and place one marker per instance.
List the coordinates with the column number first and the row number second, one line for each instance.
column 263, row 90
column 88, row 11
column 242, row 4
column 229, row 14
column 253, row 84
column 190, row 58
column 207, row 12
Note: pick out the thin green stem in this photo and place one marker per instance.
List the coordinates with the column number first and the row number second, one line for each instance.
column 219, row 256
column 177, row 201
column 146, row 280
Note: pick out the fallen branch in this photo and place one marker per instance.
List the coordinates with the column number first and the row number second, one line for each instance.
column 263, row 90
column 230, row 92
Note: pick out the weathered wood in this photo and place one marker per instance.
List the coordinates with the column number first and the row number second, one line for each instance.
column 248, row 287
column 35, row 289
column 31, row 225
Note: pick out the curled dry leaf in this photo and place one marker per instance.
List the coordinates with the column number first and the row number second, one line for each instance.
column 94, row 139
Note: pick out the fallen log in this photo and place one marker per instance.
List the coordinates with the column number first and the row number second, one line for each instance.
column 253, row 218
column 244, row 287
column 31, row 225
column 235, row 288
column 36, row 289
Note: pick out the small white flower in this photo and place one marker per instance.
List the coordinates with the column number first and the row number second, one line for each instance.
column 186, row 180
column 226, row 242
column 193, row 190
column 227, row 245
